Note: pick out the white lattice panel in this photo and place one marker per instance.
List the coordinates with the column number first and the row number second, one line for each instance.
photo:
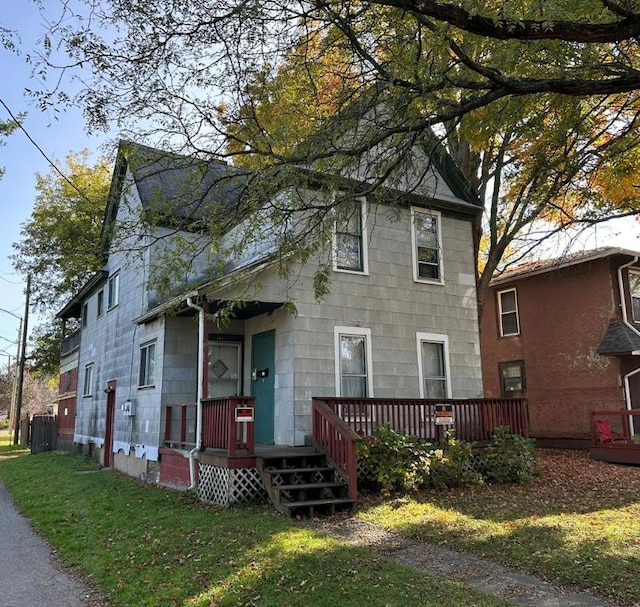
column 226, row 486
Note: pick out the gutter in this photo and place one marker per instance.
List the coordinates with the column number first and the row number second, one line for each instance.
column 192, row 453
column 625, row 320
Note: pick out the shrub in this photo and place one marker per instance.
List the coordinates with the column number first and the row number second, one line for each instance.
column 453, row 466
column 509, row 459
column 395, row 461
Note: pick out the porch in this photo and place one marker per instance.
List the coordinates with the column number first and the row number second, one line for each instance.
column 615, row 436
column 231, row 467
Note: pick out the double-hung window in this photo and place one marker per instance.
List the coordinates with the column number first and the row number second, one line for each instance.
column 113, row 291
column 433, row 360
column 88, row 380
column 147, row 364
column 634, row 290
column 353, row 367
column 512, row 380
column 350, row 241
column 426, row 243
column 509, row 318
column 85, row 314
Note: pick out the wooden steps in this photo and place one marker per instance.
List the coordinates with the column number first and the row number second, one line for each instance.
column 301, row 483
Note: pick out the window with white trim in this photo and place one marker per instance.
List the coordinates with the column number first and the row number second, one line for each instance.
column 353, row 367
column 113, row 291
column 87, row 389
column 634, row 291
column 512, row 380
column 147, row 364
column 426, row 244
column 350, row 241
column 433, row 361
column 508, row 309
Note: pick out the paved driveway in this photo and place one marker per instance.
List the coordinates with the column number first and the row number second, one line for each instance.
column 29, row 573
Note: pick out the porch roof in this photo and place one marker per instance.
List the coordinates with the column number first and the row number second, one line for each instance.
column 619, row 339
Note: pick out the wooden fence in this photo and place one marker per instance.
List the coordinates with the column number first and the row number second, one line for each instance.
column 43, row 433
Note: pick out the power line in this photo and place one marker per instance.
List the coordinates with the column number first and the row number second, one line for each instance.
column 42, row 152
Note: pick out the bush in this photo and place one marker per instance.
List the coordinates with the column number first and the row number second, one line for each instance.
column 509, row 459
column 453, row 466
column 393, row 461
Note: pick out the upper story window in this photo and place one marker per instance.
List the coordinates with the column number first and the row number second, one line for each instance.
column 512, row 382
column 100, row 300
column 350, row 242
column 85, row 314
column 433, row 360
column 634, row 291
column 426, row 244
column 113, row 291
column 509, row 319
column 88, row 380
column 147, row 364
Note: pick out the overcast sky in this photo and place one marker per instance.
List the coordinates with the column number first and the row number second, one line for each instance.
column 59, row 133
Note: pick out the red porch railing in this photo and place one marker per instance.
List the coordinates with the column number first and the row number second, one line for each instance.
column 474, row 419
column 220, row 430
column 338, row 440
column 180, row 426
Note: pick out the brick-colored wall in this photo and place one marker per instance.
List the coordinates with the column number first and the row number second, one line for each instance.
column 564, row 315
column 67, row 390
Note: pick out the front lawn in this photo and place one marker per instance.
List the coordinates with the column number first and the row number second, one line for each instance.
column 578, row 523
column 145, row 546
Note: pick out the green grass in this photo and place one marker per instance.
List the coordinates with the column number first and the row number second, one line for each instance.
column 578, row 524
column 146, row 546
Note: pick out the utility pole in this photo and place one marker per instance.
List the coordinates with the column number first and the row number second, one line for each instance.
column 21, row 363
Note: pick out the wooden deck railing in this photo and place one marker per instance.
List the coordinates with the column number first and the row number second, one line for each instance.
column 474, row 419
column 180, row 426
column 220, row 430
column 338, row 440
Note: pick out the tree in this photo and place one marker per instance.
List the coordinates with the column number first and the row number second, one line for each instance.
column 59, row 245
column 538, row 101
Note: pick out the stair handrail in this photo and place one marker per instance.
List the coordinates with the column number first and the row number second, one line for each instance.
column 339, row 441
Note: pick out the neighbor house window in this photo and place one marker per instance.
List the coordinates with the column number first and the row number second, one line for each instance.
column 433, row 360
column 85, row 314
column 100, row 303
column 512, row 381
column 88, row 380
column 634, row 290
column 350, row 243
column 425, row 240
column 509, row 320
column 147, row 364
column 113, row 286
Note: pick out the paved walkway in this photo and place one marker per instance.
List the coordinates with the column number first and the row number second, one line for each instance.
column 520, row 589
column 29, row 573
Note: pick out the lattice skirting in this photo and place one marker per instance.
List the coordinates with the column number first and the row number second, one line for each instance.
column 227, row 486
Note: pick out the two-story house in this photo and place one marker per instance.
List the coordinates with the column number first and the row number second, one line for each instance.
column 565, row 333
column 399, row 318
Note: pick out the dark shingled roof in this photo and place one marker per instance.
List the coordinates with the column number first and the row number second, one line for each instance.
column 619, row 339
column 182, row 186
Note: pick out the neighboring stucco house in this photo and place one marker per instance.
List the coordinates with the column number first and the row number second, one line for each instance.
column 565, row 333
column 399, row 320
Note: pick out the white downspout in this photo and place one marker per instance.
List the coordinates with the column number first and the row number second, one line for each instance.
column 625, row 320
column 192, row 453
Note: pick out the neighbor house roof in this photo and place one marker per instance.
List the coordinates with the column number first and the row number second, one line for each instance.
column 549, row 265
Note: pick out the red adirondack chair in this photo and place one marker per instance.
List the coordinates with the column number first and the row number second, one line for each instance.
column 606, row 434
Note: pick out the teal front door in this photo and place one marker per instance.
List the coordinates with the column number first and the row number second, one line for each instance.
column 263, row 348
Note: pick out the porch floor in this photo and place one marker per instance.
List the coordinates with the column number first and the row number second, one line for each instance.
column 617, row 453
